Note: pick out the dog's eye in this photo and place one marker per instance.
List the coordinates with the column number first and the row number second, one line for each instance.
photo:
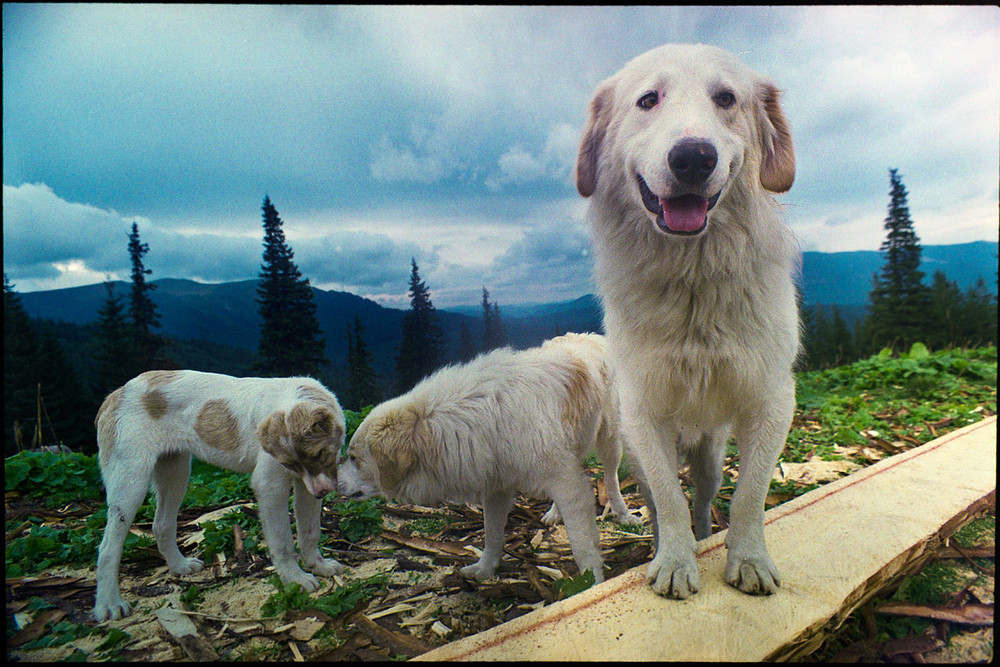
column 725, row 99
column 649, row 100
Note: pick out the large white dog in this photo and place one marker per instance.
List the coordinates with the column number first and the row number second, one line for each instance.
column 694, row 265
column 285, row 431
column 506, row 422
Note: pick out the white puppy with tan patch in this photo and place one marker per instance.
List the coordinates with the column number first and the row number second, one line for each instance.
column 285, row 432
column 505, row 423
column 694, row 266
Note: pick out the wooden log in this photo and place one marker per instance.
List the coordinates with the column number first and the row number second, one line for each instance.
column 835, row 546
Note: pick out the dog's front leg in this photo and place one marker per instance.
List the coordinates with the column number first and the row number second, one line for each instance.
column 760, row 436
column 496, row 505
column 674, row 570
column 308, row 512
column 272, row 486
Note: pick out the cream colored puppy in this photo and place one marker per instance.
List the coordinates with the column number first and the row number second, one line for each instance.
column 284, row 431
column 679, row 156
column 505, row 423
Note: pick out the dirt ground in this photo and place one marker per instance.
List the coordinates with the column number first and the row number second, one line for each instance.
column 423, row 602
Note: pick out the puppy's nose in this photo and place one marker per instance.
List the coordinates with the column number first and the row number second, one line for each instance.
column 692, row 160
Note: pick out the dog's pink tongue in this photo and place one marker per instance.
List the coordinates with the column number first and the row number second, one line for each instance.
column 684, row 214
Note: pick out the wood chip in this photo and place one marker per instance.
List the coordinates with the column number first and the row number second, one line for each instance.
column 969, row 614
column 184, row 631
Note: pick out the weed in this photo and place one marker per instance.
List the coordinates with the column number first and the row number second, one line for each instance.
column 360, row 518
column 291, row 597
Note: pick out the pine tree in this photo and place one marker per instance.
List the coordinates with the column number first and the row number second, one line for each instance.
column 842, row 342
column 149, row 345
column 421, row 350
column 466, row 348
column 290, row 342
column 899, row 300
column 494, row 332
column 114, row 353
column 362, row 390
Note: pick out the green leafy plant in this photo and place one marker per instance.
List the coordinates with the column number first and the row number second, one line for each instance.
column 220, row 538
column 55, row 478
column 291, row 597
column 360, row 518
column 570, row 586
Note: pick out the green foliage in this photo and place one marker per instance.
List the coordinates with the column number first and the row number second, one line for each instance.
column 291, row 597
column 57, row 478
column 360, row 518
column 211, row 485
column 570, row 586
column 219, row 536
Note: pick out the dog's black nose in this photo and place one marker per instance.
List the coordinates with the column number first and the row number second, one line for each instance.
column 692, row 160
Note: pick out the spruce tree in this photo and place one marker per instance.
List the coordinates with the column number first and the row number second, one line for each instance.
column 362, row 390
column 466, row 348
column 842, row 341
column 290, row 342
column 899, row 300
column 148, row 345
column 494, row 332
column 114, row 349
column 421, row 350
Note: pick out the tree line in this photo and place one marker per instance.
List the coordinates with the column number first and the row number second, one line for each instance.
column 902, row 308
column 47, row 401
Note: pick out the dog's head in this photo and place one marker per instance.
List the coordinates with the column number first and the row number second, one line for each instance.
column 307, row 440
column 679, row 128
column 388, row 445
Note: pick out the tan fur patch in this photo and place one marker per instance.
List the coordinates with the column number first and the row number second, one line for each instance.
column 397, row 442
column 579, row 394
column 315, row 394
column 106, row 421
column 316, row 437
column 217, row 426
column 157, row 379
column 154, row 403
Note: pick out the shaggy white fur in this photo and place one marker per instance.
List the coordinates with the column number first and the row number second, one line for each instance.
column 695, row 268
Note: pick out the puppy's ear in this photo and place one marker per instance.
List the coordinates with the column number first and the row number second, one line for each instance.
column 398, row 444
column 274, row 436
column 777, row 169
column 594, row 131
column 308, row 420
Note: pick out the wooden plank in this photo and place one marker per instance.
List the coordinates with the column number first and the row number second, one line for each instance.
column 835, row 547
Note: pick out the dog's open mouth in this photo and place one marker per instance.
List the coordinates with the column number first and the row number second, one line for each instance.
column 686, row 215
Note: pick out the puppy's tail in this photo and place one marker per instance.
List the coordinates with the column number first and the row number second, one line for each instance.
column 106, row 423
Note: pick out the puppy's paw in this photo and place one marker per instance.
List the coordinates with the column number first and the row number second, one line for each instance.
column 551, row 517
column 673, row 576
column 627, row 519
column 755, row 575
column 186, row 566
column 308, row 582
column 326, row 567
column 111, row 610
column 478, row 571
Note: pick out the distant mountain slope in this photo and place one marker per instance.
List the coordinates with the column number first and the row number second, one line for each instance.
column 226, row 313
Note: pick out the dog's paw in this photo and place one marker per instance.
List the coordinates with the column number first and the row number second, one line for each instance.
column 326, row 567
column 674, row 577
column 186, row 566
column 754, row 575
column 308, row 582
column 477, row 571
column 627, row 519
column 551, row 517
column 112, row 610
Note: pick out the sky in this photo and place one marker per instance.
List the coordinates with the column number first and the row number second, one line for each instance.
column 448, row 135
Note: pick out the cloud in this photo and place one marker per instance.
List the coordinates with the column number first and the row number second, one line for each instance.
column 555, row 161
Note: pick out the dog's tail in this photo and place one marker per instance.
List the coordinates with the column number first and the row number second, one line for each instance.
column 106, row 423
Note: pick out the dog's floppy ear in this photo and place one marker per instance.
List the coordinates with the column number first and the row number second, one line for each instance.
column 397, row 444
column 310, row 421
column 593, row 136
column 777, row 169
column 274, row 437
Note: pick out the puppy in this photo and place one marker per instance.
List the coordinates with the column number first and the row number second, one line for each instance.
column 505, row 423
column 284, row 431
column 694, row 267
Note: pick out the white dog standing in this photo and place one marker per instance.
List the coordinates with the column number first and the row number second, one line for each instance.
column 504, row 423
column 694, row 266
column 284, row 431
